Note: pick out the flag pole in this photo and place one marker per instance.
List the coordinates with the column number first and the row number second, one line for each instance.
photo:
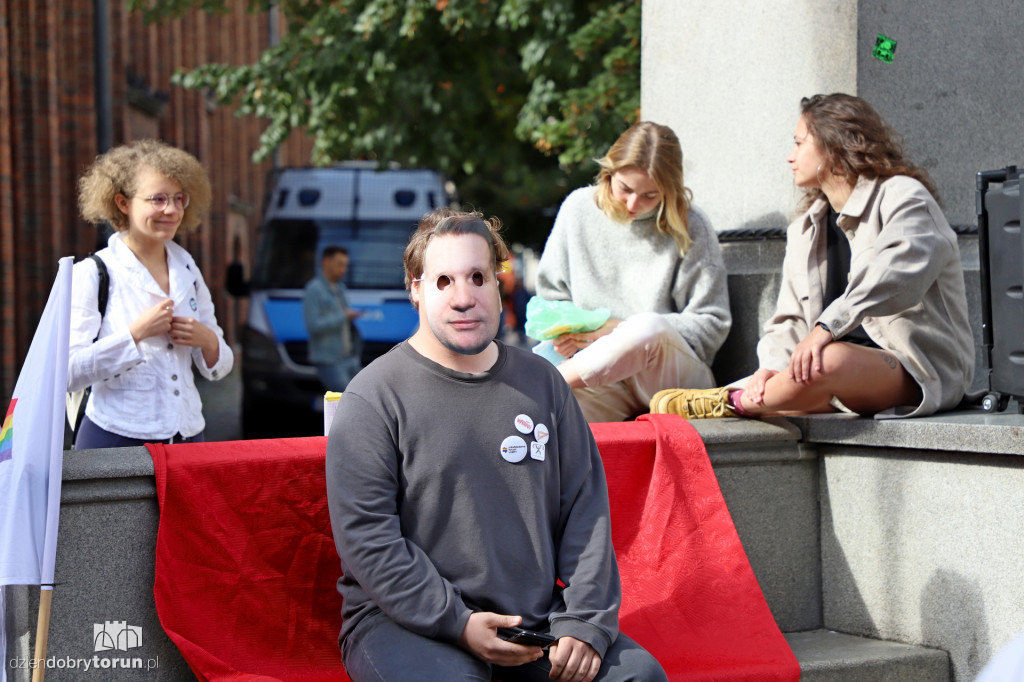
column 42, row 633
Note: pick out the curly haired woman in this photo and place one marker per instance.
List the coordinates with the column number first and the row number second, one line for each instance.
column 138, row 354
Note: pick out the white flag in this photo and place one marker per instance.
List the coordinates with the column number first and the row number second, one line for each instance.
column 32, row 447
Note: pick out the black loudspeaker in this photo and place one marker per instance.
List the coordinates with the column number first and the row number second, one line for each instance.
column 1000, row 208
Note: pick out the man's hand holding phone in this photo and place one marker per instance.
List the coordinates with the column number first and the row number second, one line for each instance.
column 518, row 635
column 481, row 639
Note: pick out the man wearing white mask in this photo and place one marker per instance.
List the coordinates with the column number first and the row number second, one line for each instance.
column 467, row 494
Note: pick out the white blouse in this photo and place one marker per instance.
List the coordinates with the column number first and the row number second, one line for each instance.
column 144, row 390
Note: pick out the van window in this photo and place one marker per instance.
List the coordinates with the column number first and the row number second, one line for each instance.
column 290, row 252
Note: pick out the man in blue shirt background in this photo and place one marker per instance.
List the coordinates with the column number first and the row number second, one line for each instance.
column 334, row 343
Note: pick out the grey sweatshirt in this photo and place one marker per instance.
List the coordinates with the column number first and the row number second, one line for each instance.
column 631, row 268
column 441, row 504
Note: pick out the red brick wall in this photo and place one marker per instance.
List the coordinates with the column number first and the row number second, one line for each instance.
column 48, row 119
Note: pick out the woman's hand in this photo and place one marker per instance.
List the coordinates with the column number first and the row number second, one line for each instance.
column 568, row 345
column 754, row 390
column 153, row 321
column 188, row 331
column 807, row 355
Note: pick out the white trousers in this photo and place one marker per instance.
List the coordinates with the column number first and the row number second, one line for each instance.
column 623, row 370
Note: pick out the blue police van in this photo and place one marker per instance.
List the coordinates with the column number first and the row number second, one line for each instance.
column 369, row 211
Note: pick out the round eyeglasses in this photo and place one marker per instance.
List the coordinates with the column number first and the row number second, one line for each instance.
column 160, row 201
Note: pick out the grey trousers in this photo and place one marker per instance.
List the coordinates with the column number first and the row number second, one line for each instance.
column 380, row 650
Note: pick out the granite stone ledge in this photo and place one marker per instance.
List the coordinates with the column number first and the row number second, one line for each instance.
column 827, row 656
column 111, row 475
column 108, row 490
column 107, row 463
column 754, row 257
column 731, row 430
column 964, row 431
column 743, row 442
column 759, row 454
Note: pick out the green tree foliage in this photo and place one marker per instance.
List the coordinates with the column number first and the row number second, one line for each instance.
column 511, row 98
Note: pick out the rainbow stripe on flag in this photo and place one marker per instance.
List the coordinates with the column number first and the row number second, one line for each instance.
column 7, row 434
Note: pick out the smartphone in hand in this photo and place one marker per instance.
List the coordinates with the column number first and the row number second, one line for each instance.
column 526, row 637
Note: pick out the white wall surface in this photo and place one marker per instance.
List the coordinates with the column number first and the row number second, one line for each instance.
column 728, row 75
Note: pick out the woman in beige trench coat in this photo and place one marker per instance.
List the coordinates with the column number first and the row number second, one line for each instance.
column 872, row 312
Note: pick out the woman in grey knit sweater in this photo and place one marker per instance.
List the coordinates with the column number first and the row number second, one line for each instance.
column 633, row 243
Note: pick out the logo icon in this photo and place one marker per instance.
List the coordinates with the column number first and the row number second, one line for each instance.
column 513, row 449
column 116, row 634
column 885, row 49
column 541, row 433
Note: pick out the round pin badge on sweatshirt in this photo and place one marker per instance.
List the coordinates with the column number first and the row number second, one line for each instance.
column 513, row 449
column 541, row 433
column 523, row 423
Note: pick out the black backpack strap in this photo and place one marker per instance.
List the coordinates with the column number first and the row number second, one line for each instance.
column 104, row 288
column 102, row 295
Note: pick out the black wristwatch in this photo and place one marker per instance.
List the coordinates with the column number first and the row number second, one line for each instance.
column 825, row 327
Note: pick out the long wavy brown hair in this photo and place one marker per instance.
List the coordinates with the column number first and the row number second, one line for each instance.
column 855, row 142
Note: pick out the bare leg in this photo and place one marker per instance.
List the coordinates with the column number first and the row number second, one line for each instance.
column 867, row 380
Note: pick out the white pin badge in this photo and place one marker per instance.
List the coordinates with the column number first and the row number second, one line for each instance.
column 537, row 451
column 523, row 423
column 513, row 449
column 541, row 433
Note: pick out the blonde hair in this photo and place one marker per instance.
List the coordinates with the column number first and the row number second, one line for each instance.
column 117, row 172
column 654, row 149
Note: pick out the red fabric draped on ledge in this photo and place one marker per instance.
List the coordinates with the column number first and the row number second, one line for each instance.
column 246, row 565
